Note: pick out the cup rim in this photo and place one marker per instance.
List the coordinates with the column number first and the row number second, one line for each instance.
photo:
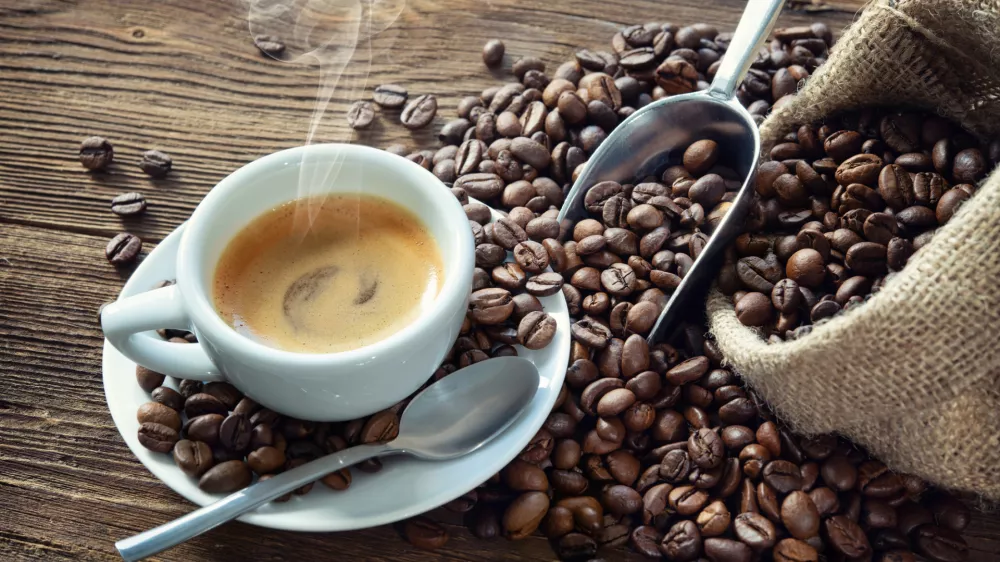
column 201, row 309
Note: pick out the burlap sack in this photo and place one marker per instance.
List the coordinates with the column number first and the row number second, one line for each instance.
column 913, row 374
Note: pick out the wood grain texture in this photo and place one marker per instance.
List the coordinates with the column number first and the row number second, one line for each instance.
column 184, row 77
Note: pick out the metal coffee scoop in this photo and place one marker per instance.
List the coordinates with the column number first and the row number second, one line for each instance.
column 651, row 137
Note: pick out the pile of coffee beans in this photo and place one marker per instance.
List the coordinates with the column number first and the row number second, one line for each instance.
column 663, row 450
column 223, row 439
column 543, row 126
column 843, row 204
column 657, row 447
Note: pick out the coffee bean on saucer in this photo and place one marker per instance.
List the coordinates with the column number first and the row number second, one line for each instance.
column 380, row 428
column 128, row 204
column 360, row 115
column 423, row 533
column 189, row 388
column 225, row 393
column 203, row 403
column 168, row 397
column 157, row 437
column 205, row 428
column 226, row 477
column 265, row 459
column 155, row 163
column 123, row 249
column 147, row 378
column 390, row 96
column 154, row 412
column 419, row 112
column 234, row 433
column 96, row 153
column 194, row 458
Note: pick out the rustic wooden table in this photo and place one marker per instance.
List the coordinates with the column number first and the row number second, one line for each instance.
column 184, row 77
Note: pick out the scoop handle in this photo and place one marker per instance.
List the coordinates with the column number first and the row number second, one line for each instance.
column 755, row 25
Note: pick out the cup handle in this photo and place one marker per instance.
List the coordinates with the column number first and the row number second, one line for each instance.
column 125, row 319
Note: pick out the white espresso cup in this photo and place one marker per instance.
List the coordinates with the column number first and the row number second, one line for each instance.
column 310, row 386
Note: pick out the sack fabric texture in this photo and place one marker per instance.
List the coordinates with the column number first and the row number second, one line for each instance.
column 913, row 374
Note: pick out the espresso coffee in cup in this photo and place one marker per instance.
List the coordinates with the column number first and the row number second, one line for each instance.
column 328, row 274
column 336, row 363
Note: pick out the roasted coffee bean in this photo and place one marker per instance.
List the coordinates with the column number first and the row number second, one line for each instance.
column 590, row 332
column 706, row 449
column 714, row 519
column 536, row 330
column 754, row 309
column 727, row 550
column 682, row 543
column 800, row 515
column 877, row 481
column 522, row 477
column 940, row 544
column 419, row 112
column 226, row 393
column 491, row 306
column 755, row 530
column 424, row 533
column 235, row 432
column 96, row 153
column 265, row 460
column 194, row 458
column 168, row 397
column 846, row 537
column 155, row 163
column 453, row 132
column 493, row 52
column 380, row 428
column 205, row 428
column 576, row 546
column 539, row 448
column 783, row 476
column 360, row 115
column 148, row 379
column 226, row 477
column 390, row 96
column 969, row 166
column 203, row 403
column 794, row 550
column 189, row 388
column 128, row 204
column 157, row 437
column 123, row 249
column 525, row 514
column 645, row 540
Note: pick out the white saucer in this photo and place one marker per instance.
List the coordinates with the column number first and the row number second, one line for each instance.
column 405, row 486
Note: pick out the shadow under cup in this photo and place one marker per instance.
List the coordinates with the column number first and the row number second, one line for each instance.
column 347, row 384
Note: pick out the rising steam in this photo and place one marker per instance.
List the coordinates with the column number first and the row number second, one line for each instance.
column 340, row 38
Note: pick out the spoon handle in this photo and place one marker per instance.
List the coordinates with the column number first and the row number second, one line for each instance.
column 232, row 506
column 755, row 25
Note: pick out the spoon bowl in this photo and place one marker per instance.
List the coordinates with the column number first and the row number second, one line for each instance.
column 459, row 414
